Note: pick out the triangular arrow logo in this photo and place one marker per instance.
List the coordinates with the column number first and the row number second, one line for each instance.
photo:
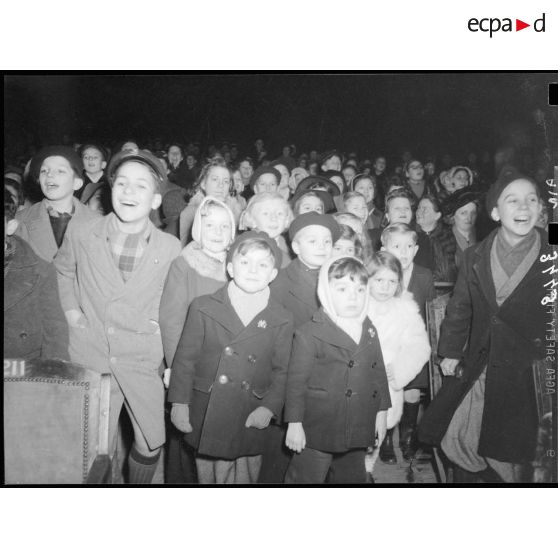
column 519, row 25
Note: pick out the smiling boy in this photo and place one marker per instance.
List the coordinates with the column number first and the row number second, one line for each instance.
column 111, row 275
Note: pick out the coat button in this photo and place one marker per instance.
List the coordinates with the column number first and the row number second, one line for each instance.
column 351, row 363
column 245, row 385
column 223, row 379
column 495, row 320
column 229, row 351
column 110, row 330
column 251, row 359
column 349, row 392
column 23, row 335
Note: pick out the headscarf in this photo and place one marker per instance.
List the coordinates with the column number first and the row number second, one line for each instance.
column 351, row 326
column 196, row 226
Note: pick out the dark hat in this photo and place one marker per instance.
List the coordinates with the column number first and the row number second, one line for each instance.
column 140, row 156
column 260, row 235
column 329, row 204
column 459, row 199
column 56, row 151
column 507, row 175
column 313, row 182
column 313, row 218
column 330, row 173
column 97, row 146
column 264, row 170
column 328, row 154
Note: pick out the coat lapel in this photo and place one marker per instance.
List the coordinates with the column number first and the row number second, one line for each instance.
column 40, row 231
column 269, row 318
column 331, row 334
column 481, row 268
column 219, row 308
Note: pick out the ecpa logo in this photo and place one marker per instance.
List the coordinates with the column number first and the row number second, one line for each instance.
column 494, row 24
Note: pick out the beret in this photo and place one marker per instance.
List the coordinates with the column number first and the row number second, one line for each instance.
column 313, row 218
column 56, row 151
column 141, row 156
column 313, row 182
column 507, row 175
column 286, row 162
column 264, row 170
column 329, row 154
column 329, row 204
column 259, row 235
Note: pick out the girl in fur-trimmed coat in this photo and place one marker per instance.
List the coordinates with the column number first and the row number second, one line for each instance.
column 401, row 330
column 198, row 270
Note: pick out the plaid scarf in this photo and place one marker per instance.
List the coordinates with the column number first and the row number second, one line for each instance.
column 127, row 249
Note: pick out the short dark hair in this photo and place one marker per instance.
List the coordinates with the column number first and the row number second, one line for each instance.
column 253, row 244
column 348, row 266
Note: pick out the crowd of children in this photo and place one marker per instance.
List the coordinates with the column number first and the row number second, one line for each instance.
column 263, row 320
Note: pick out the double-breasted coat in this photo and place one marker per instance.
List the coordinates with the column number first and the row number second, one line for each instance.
column 334, row 386
column 225, row 370
column 34, row 323
column 296, row 288
column 120, row 332
column 503, row 339
column 35, row 228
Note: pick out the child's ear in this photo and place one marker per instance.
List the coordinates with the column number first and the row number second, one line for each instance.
column 11, row 226
column 230, row 269
column 415, row 251
column 103, row 165
column 274, row 274
column 78, row 183
column 438, row 215
column 157, row 200
column 383, row 249
column 495, row 214
column 296, row 247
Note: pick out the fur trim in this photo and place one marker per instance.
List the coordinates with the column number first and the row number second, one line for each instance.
column 202, row 263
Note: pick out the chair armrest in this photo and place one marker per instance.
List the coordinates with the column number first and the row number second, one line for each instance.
column 101, row 471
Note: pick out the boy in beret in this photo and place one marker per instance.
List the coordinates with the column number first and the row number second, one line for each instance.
column 486, row 420
column 59, row 171
column 229, row 370
column 296, row 288
column 111, row 273
column 265, row 179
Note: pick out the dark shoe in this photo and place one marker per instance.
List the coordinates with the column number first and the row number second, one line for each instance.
column 408, row 444
column 387, row 453
column 461, row 476
column 407, row 430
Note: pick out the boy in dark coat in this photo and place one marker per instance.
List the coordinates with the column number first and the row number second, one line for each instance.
column 486, row 420
column 312, row 238
column 337, row 388
column 34, row 323
column 402, row 241
column 111, row 274
column 229, row 370
column 59, row 171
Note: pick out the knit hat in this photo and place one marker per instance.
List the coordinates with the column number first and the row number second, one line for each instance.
column 313, row 182
column 56, row 151
column 196, row 225
column 260, row 235
column 459, row 199
column 141, row 156
column 264, row 170
column 313, row 218
column 507, row 175
column 329, row 204
column 329, row 154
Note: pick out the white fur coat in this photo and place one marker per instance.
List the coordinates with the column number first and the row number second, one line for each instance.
column 404, row 343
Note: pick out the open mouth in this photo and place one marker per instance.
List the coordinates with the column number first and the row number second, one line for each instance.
column 128, row 203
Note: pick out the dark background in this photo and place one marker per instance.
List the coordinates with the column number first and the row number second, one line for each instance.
column 426, row 113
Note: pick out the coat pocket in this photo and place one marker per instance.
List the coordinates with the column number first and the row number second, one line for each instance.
column 202, row 384
column 317, row 392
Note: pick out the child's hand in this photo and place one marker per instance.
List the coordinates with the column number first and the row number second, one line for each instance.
column 75, row 318
column 448, row 366
column 389, row 372
column 296, row 439
column 180, row 417
column 166, row 377
column 381, row 426
column 259, row 418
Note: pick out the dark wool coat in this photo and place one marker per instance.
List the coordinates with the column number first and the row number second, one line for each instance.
column 334, row 386
column 506, row 340
column 225, row 370
column 293, row 291
column 34, row 323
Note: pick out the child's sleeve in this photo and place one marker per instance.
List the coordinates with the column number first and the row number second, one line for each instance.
column 300, row 367
column 275, row 397
column 65, row 263
column 380, row 370
column 55, row 327
column 186, row 356
column 454, row 330
column 173, row 308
